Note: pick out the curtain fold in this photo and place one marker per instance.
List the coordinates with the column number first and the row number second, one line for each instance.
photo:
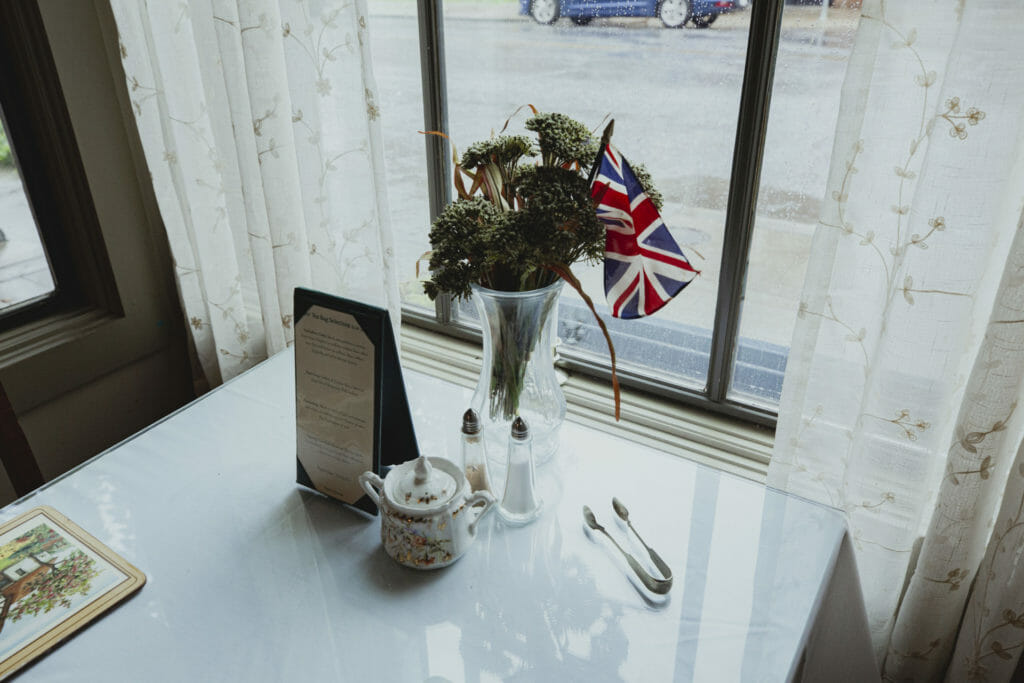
column 259, row 123
column 899, row 404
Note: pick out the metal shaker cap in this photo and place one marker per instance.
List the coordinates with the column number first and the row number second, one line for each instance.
column 470, row 422
column 520, row 432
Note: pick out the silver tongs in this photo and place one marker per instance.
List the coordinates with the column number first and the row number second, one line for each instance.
column 659, row 586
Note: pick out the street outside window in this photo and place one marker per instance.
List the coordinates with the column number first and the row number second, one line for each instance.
column 674, row 94
column 25, row 275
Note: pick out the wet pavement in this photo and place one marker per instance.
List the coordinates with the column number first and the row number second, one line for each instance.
column 24, row 272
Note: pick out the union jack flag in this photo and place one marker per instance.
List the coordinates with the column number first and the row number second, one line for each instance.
column 643, row 265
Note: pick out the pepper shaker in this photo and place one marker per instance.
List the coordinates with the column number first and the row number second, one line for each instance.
column 474, row 459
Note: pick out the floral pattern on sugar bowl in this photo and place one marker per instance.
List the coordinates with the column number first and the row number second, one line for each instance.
column 429, row 515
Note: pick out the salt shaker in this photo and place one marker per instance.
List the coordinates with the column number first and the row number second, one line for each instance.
column 520, row 503
column 474, row 460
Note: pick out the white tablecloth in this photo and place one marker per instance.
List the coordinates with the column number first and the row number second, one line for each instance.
column 252, row 578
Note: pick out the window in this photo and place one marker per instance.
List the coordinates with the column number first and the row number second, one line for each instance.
column 52, row 260
column 25, row 275
column 742, row 187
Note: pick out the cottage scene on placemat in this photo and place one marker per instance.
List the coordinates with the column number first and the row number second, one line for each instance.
column 46, row 577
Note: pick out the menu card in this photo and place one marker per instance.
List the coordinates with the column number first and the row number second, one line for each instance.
column 351, row 411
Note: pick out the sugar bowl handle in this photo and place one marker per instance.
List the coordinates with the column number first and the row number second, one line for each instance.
column 488, row 501
column 373, row 485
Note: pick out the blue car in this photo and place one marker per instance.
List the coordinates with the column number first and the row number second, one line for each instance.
column 673, row 13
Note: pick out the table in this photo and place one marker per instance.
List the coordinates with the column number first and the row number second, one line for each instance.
column 253, row 578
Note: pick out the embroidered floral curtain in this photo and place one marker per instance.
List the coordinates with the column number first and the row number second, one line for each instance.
column 259, row 123
column 901, row 400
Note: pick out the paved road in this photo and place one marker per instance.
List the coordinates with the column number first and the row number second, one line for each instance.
column 674, row 95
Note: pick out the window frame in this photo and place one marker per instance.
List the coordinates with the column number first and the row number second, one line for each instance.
column 111, row 357
column 43, row 143
column 741, row 205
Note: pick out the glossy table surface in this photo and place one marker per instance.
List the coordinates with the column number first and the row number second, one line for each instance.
column 251, row 577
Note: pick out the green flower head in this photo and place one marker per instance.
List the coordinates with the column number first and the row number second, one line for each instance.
column 563, row 140
column 502, row 150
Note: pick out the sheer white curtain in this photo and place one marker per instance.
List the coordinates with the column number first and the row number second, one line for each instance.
column 259, row 123
column 907, row 367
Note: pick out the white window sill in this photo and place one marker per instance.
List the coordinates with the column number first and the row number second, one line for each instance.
column 720, row 442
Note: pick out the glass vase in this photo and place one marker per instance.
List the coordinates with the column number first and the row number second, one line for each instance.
column 517, row 376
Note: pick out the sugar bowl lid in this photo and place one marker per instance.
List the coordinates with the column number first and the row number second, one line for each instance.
column 422, row 485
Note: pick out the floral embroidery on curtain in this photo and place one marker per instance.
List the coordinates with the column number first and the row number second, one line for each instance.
column 260, row 127
column 907, row 365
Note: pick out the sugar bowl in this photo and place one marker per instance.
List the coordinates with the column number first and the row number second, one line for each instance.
column 429, row 515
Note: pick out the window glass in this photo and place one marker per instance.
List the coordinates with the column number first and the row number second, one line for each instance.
column 674, row 95
column 25, row 275
column 394, row 39
column 814, row 48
